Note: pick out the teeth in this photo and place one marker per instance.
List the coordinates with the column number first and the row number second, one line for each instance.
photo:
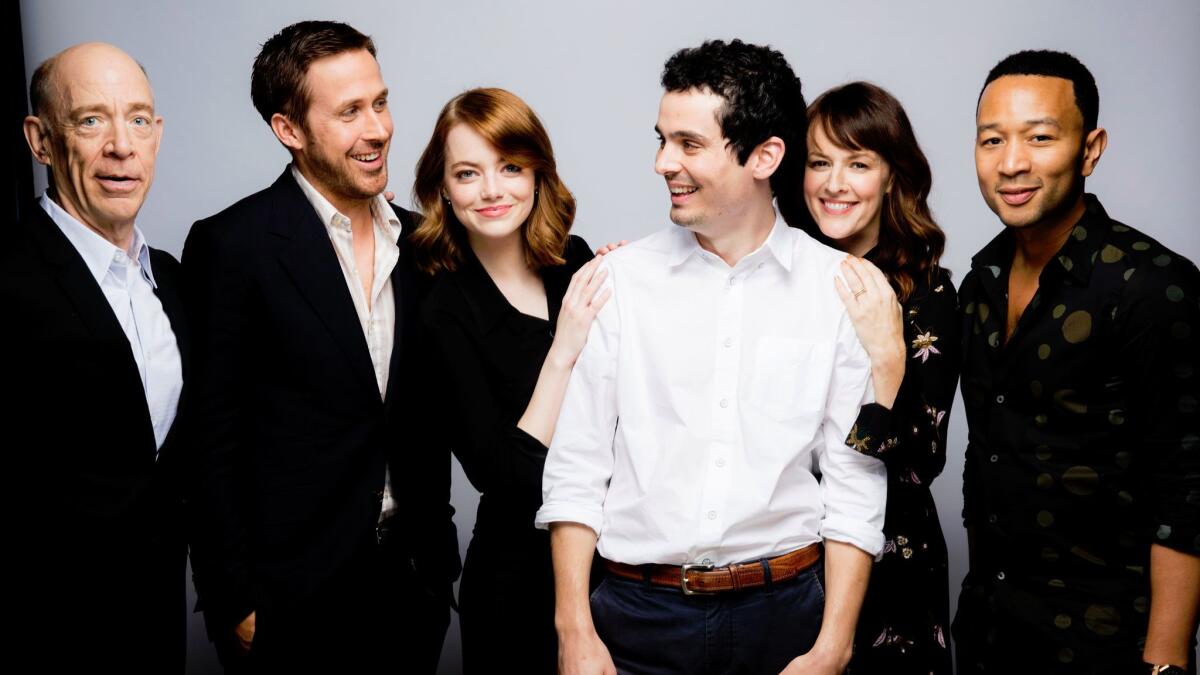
column 838, row 206
column 367, row 158
column 683, row 190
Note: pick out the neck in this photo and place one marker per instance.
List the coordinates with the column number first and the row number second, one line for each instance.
column 358, row 210
column 1037, row 244
column 117, row 234
column 501, row 258
column 736, row 240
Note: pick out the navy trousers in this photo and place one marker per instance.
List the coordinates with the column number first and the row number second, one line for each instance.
column 652, row 630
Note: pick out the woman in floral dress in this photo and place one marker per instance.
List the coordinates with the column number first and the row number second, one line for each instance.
column 866, row 183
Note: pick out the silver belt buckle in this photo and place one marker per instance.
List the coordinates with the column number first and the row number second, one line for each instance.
column 683, row 577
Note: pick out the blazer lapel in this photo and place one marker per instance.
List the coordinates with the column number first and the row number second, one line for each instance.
column 310, row 260
column 91, row 306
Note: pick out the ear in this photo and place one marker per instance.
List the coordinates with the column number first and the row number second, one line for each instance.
column 158, row 133
column 765, row 159
column 288, row 132
column 1093, row 147
column 38, row 139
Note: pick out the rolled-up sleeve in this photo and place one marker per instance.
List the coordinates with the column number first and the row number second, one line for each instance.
column 853, row 484
column 580, row 462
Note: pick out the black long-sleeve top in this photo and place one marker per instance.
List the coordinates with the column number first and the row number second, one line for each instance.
column 491, row 356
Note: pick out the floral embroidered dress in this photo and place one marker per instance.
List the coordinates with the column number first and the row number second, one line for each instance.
column 904, row 625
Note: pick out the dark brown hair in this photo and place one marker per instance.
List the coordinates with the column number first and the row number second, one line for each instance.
column 277, row 79
column 511, row 126
column 862, row 116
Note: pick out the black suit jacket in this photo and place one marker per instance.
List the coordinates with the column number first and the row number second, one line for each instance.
column 291, row 434
column 99, row 545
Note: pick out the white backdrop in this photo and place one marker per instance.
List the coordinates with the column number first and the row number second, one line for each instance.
column 591, row 71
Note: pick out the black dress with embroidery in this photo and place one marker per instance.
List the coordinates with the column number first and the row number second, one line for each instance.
column 904, row 624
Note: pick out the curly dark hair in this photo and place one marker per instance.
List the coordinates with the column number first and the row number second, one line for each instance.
column 762, row 95
column 1047, row 63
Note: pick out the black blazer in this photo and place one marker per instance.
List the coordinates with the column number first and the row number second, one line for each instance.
column 291, row 435
column 97, row 516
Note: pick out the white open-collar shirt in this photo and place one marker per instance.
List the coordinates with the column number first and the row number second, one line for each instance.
column 706, row 418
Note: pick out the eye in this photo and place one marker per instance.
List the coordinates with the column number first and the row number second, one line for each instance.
column 464, row 174
column 511, row 168
column 861, row 166
column 1042, row 138
column 661, row 142
column 380, row 105
column 350, row 112
column 690, row 145
column 90, row 121
column 817, row 164
column 140, row 121
column 991, row 140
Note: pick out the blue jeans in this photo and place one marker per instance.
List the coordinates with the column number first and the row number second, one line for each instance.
column 652, row 629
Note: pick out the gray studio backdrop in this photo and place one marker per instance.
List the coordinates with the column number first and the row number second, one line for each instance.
column 591, row 71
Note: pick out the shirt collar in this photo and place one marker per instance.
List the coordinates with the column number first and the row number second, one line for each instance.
column 779, row 245
column 96, row 251
column 1077, row 256
column 332, row 218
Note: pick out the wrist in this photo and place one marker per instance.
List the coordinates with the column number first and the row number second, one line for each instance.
column 558, row 361
column 834, row 652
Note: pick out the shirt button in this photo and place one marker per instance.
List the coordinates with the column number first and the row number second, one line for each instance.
column 732, row 280
column 724, row 403
column 992, row 519
column 720, row 461
column 1000, row 398
column 712, row 515
column 728, row 342
column 994, row 458
column 1000, row 576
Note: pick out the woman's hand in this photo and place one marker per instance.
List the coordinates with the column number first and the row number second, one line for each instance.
column 876, row 315
column 580, row 304
column 609, row 248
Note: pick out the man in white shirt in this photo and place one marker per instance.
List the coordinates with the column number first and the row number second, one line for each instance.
column 94, row 358
column 701, row 445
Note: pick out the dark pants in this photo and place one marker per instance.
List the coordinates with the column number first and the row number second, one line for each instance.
column 374, row 619
column 652, row 629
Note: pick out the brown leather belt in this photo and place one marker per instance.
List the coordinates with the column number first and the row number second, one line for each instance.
column 695, row 579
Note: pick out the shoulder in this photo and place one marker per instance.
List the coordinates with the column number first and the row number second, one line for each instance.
column 161, row 261
column 577, row 252
column 238, row 220
column 650, row 250
column 409, row 220
column 446, row 302
column 1144, row 264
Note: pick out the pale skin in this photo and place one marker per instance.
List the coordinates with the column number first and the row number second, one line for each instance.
column 731, row 215
column 100, row 137
column 1031, row 150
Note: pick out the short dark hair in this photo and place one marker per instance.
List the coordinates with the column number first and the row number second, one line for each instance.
column 763, row 98
column 277, row 80
column 1048, row 63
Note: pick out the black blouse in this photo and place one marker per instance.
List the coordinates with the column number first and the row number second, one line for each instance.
column 491, row 356
column 1084, row 445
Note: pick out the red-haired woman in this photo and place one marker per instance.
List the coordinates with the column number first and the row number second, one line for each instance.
column 866, row 182
column 509, row 312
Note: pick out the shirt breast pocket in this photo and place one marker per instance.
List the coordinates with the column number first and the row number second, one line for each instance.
column 790, row 377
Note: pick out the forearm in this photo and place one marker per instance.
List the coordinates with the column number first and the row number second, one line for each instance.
column 541, row 414
column 1174, row 597
column 887, row 373
column 572, row 546
column 847, row 569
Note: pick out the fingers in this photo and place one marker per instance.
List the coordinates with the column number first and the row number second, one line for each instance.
column 584, row 283
column 843, row 292
column 854, row 280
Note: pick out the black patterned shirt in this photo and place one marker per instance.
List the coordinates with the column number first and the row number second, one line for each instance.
column 1083, row 450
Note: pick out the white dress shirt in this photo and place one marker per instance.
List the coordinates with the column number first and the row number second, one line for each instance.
column 378, row 316
column 127, row 281
column 705, row 420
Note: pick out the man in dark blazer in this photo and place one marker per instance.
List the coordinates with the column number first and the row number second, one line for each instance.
column 94, row 356
column 324, row 535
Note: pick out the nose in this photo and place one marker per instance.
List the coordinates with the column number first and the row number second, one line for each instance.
column 835, row 181
column 490, row 186
column 665, row 162
column 1015, row 161
column 378, row 125
column 120, row 144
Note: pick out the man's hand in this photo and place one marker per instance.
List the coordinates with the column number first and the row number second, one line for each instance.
column 245, row 632
column 583, row 653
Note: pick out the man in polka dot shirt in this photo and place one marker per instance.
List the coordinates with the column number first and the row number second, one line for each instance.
column 1082, row 477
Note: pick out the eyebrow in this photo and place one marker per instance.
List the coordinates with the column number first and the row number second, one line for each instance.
column 1037, row 121
column 683, row 134
column 463, row 162
column 351, row 101
column 101, row 108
